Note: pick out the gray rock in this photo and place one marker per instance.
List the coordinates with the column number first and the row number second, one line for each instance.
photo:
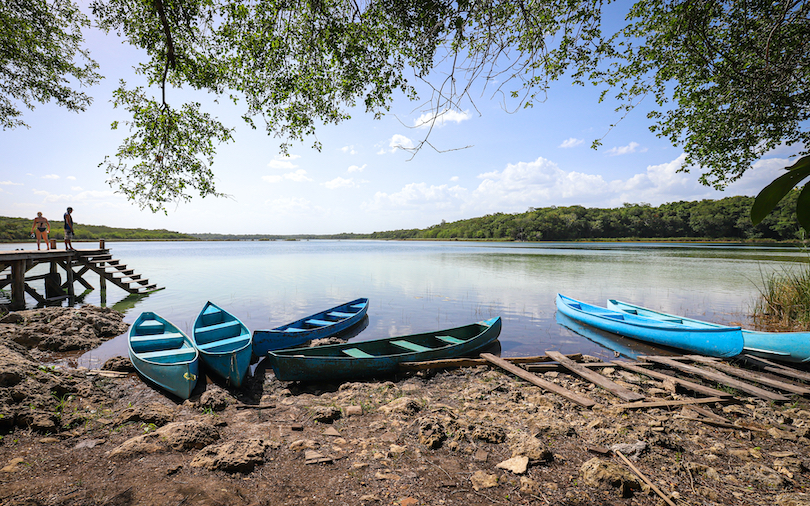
column 325, row 414
column 431, row 432
column 176, row 436
column 240, row 456
column 596, row 472
column 404, row 405
column 214, row 399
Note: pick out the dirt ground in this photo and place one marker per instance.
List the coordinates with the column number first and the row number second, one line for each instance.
column 471, row 436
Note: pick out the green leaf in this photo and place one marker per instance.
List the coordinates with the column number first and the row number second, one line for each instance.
column 779, row 187
column 803, row 208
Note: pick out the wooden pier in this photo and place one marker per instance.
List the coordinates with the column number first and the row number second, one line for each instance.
column 75, row 264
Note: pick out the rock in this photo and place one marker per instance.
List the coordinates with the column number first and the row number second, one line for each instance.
column 369, row 498
column 797, row 499
column 532, row 448
column 408, row 501
column 489, row 434
column 596, row 472
column 404, row 405
column 396, row 450
column 214, row 399
column 782, row 434
column 12, row 318
column 40, row 421
column 303, row 444
column 353, row 410
column 157, row 414
column 313, row 457
column 176, row 436
column 480, row 456
column 325, row 414
column 331, row 431
column 120, row 364
column 482, row 479
column 517, row 465
column 49, row 440
column 64, row 328
column 761, row 475
column 529, row 486
column 386, row 476
column 88, row 443
column 240, row 456
column 431, row 432
column 13, row 465
column 631, row 451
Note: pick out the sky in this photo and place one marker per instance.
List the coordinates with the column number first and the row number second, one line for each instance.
column 487, row 159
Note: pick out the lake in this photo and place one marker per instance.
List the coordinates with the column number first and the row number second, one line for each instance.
column 424, row 286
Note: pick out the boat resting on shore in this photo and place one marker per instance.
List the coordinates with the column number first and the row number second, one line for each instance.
column 381, row 356
column 720, row 342
column 224, row 343
column 163, row 354
column 782, row 346
column 317, row 326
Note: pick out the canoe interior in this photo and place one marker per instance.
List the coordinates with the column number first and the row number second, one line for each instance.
column 218, row 331
column 154, row 339
column 327, row 318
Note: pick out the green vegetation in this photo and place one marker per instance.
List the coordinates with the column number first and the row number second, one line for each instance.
column 785, row 300
column 19, row 230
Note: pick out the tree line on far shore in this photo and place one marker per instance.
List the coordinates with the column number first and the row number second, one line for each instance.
column 724, row 219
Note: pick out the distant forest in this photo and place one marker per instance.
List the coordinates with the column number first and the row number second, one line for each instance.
column 724, row 219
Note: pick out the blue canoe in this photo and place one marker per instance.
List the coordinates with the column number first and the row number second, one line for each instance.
column 163, row 354
column 324, row 324
column 224, row 343
column 381, row 356
column 783, row 346
column 714, row 342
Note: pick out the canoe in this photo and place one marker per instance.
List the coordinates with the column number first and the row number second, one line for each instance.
column 791, row 347
column 613, row 344
column 324, row 324
column 224, row 343
column 713, row 342
column 380, row 357
column 163, row 354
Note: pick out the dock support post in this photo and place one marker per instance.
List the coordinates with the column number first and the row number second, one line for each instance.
column 18, row 284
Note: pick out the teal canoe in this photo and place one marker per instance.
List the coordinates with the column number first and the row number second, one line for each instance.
column 224, row 343
column 163, row 354
column 791, row 347
column 317, row 326
column 721, row 342
column 380, row 357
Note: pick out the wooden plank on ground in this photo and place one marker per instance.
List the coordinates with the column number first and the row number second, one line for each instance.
column 669, row 404
column 472, row 362
column 777, row 368
column 558, row 367
column 533, row 379
column 596, row 378
column 751, row 375
column 694, row 387
column 719, row 378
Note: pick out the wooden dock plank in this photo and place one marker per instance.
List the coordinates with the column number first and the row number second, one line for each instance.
column 775, row 368
column 719, row 378
column 750, row 375
column 546, row 367
column 473, row 362
column 694, row 387
column 533, row 379
column 669, row 404
column 595, row 378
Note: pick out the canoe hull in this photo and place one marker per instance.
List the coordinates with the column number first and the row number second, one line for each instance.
column 281, row 337
column 791, row 347
column 167, row 358
column 224, row 343
column 326, row 363
column 713, row 342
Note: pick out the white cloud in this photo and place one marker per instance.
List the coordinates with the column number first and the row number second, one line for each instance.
column 9, row 183
column 623, row 150
column 293, row 206
column 340, row 182
column 283, row 162
column 50, row 176
column 432, row 119
column 72, row 178
column 298, row 176
column 454, row 178
column 399, row 141
column 349, row 149
column 84, row 197
column 419, row 196
column 571, row 142
column 355, row 168
column 76, row 188
column 381, row 151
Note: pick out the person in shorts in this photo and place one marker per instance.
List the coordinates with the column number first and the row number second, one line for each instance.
column 69, row 229
column 41, row 228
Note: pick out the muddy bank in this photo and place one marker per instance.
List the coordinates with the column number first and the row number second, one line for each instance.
column 467, row 436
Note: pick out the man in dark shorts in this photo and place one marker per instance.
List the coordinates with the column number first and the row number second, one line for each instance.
column 69, row 229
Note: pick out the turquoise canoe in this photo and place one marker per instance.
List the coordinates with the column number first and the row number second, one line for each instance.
column 713, row 342
column 224, row 343
column 791, row 347
column 318, row 326
column 381, row 356
column 163, row 354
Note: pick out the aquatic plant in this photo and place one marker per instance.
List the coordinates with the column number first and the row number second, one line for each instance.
column 785, row 299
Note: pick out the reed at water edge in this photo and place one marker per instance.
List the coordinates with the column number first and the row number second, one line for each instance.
column 784, row 302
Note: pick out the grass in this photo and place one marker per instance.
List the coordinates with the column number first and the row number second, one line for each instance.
column 785, row 300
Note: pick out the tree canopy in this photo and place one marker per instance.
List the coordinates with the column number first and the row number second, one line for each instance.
column 729, row 78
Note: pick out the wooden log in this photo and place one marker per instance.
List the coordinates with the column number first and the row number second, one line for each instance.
column 751, row 376
column 669, row 404
column 646, row 480
column 694, row 387
column 595, row 378
column 558, row 367
column 533, row 379
column 473, row 362
column 775, row 368
column 33, row 293
column 719, row 378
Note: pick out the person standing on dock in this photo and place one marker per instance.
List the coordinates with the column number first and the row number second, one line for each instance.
column 41, row 228
column 69, row 229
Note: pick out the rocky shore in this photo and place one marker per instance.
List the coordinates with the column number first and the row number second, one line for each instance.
column 467, row 436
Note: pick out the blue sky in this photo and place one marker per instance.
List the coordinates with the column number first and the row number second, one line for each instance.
column 360, row 181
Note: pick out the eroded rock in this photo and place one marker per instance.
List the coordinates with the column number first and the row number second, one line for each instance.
column 240, row 456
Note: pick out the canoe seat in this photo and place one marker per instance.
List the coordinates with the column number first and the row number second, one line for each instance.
column 156, row 342
column 169, row 356
column 359, row 306
column 293, row 329
column 609, row 315
column 411, row 346
column 356, row 353
column 672, row 320
column 630, row 311
column 450, row 339
column 320, row 323
column 218, row 331
column 150, row 327
column 338, row 314
column 225, row 345
column 211, row 316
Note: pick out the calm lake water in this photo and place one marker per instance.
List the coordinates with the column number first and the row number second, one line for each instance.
column 424, row 286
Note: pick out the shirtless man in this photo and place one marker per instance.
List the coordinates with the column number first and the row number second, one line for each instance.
column 68, row 229
column 41, row 228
